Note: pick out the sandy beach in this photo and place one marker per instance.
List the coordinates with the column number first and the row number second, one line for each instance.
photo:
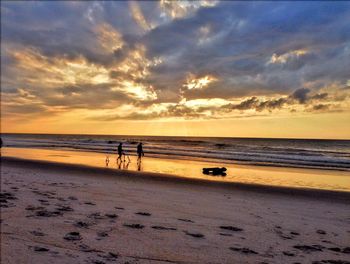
column 55, row 213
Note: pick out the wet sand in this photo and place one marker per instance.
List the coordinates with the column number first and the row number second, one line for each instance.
column 60, row 213
column 261, row 175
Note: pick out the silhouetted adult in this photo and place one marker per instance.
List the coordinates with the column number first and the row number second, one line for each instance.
column 139, row 152
column 120, row 151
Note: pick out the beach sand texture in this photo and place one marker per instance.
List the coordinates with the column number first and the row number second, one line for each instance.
column 53, row 214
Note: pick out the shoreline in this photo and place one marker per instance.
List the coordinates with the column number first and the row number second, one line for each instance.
column 319, row 194
column 252, row 175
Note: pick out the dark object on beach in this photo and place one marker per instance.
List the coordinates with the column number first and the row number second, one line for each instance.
column 231, row 228
column 215, row 171
column 321, row 232
column 143, row 213
column 136, row 226
column 72, row 236
column 243, row 250
column 196, row 235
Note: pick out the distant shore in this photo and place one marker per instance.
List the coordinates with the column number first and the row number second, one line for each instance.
column 63, row 213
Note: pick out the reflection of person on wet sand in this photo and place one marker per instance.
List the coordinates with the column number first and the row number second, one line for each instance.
column 125, row 164
column 119, row 164
column 139, row 165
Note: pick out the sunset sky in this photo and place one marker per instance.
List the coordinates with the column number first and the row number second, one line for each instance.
column 201, row 68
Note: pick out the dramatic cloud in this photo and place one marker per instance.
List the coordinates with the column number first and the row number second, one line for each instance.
column 174, row 59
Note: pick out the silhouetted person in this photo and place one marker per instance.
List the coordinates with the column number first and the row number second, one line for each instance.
column 139, row 152
column 120, row 151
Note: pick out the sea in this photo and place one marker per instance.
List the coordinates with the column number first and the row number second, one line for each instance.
column 295, row 153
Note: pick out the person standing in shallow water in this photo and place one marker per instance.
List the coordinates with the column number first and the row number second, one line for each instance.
column 140, row 152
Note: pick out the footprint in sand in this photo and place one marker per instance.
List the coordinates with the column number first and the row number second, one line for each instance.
column 39, row 249
column 4, row 197
column 86, row 248
column 89, row 203
column 81, row 224
column 96, row 216
column 37, row 233
column 309, row 249
column 47, row 213
column 345, row 250
column 196, row 235
column 72, row 236
column 164, row 228
column 231, row 228
column 136, row 226
column 72, row 198
column 64, row 208
column 244, row 250
column 225, row 234
column 185, row 220
column 143, row 213
column 289, row 254
column 331, row 261
column 102, row 234
column 111, row 216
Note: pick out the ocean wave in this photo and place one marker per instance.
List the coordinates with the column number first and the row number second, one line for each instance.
column 268, row 152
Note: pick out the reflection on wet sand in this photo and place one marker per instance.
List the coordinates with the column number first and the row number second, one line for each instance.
column 289, row 177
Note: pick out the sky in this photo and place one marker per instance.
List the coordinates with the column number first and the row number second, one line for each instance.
column 176, row 68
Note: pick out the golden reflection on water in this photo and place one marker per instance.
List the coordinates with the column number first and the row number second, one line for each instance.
column 289, row 177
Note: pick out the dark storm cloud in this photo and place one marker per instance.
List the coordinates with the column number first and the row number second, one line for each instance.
column 233, row 41
column 301, row 96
